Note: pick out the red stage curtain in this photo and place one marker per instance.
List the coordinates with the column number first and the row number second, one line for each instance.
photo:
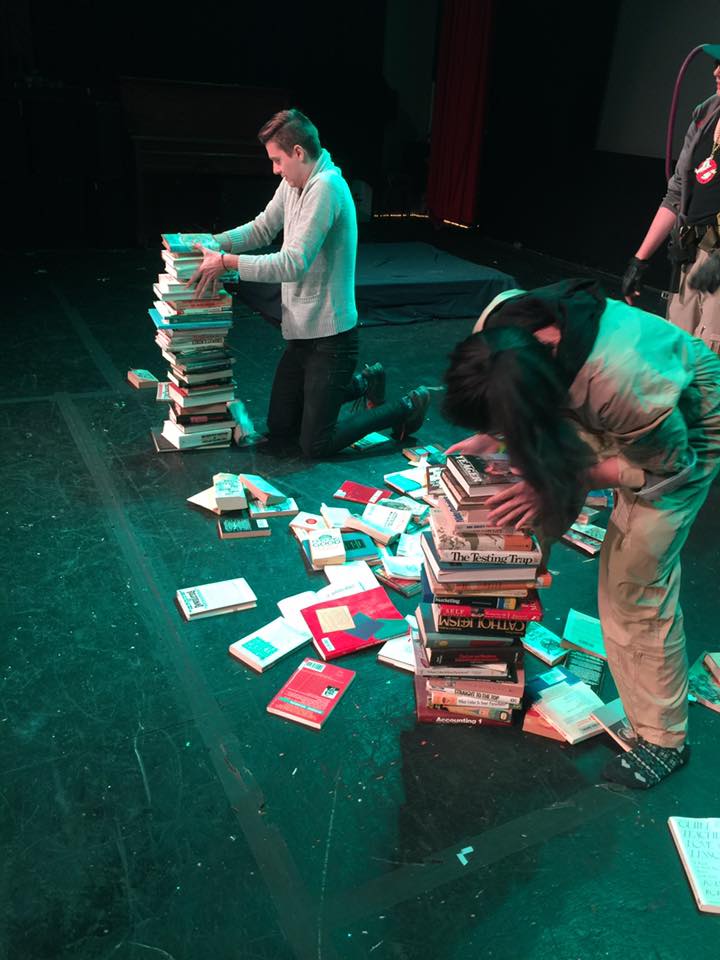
column 459, row 106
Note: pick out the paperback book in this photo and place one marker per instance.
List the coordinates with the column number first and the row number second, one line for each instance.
column 241, row 524
column 311, row 693
column 583, row 632
column 212, row 599
column 264, row 647
column 346, row 624
column 698, row 843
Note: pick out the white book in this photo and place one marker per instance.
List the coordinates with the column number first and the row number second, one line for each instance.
column 568, row 708
column 612, row 718
column 355, row 572
column 698, row 842
column 335, row 516
column 191, row 441
column 326, row 547
column 211, row 599
column 290, row 607
column 407, row 568
column 388, row 517
column 409, row 545
column 543, row 644
column 419, row 511
column 206, row 500
column 269, row 644
column 398, row 652
column 584, row 633
column 307, row 521
column 262, row 489
column 229, row 492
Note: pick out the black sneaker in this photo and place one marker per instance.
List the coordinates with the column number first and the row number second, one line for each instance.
column 418, row 401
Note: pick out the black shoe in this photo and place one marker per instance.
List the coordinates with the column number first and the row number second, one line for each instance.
column 370, row 386
column 417, row 401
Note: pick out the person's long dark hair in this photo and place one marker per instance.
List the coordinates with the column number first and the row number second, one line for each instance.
column 504, row 381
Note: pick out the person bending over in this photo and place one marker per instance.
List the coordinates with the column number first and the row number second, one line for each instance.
column 315, row 266
column 590, row 392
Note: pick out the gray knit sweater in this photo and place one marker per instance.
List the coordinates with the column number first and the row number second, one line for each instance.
column 316, row 264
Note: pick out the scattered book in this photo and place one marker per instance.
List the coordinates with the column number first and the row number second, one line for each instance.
column 712, row 662
column 585, row 544
column 410, row 482
column 698, row 842
column 583, row 632
column 206, row 500
column 600, row 498
column 481, row 476
column 355, row 573
column 702, row 686
column 241, row 524
column 398, row 652
column 360, row 492
column 611, row 717
column 346, row 624
column 142, row 379
column 586, row 667
column 591, row 530
column 229, row 492
column 568, row 704
column 212, row 599
column 307, row 521
column 286, row 508
column 543, row 644
column 326, row 547
column 335, row 516
column 370, row 440
column 431, row 453
column 262, row 489
column 311, row 693
column 269, row 644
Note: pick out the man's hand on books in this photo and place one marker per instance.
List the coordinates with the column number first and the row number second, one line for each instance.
column 516, row 506
column 477, row 445
column 207, row 274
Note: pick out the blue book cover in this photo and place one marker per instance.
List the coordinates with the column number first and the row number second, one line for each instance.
column 194, row 324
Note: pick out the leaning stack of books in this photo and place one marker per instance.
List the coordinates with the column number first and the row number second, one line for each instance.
column 191, row 332
column 480, row 592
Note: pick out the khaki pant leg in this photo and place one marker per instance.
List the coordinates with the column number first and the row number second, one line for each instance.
column 698, row 313
column 638, row 601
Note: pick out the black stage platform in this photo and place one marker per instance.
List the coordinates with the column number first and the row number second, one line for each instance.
column 403, row 283
column 150, row 805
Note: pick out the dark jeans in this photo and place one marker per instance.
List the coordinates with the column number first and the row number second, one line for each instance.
column 314, row 378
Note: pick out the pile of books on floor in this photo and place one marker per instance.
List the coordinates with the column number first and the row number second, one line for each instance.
column 586, row 534
column 480, row 592
column 191, row 332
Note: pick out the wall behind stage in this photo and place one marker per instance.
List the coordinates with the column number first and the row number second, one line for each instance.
column 70, row 159
column 652, row 39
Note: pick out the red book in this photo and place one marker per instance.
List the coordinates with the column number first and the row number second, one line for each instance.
column 360, row 493
column 311, row 693
column 346, row 624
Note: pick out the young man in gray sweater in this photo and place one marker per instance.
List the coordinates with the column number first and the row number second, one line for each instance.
column 315, row 266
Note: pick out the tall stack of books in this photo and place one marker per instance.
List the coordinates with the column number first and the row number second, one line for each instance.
column 191, row 332
column 479, row 594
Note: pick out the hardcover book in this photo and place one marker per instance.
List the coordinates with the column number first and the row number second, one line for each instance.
column 480, row 625
column 184, row 243
column 264, row 647
column 346, row 624
column 311, row 693
column 440, row 714
column 583, row 632
column 481, row 476
column 450, row 541
column 527, row 609
column 446, row 572
column 471, row 590
column 212, row 599
column 191, row 441
column 359, row 492
column 262, row 489
column 698, row 843
column 233, row 526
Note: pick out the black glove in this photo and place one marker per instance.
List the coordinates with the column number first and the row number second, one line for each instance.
column 631, row 283
column 706, row 278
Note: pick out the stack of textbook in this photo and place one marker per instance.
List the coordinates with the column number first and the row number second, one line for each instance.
column 479, row 594
column 191, row 332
